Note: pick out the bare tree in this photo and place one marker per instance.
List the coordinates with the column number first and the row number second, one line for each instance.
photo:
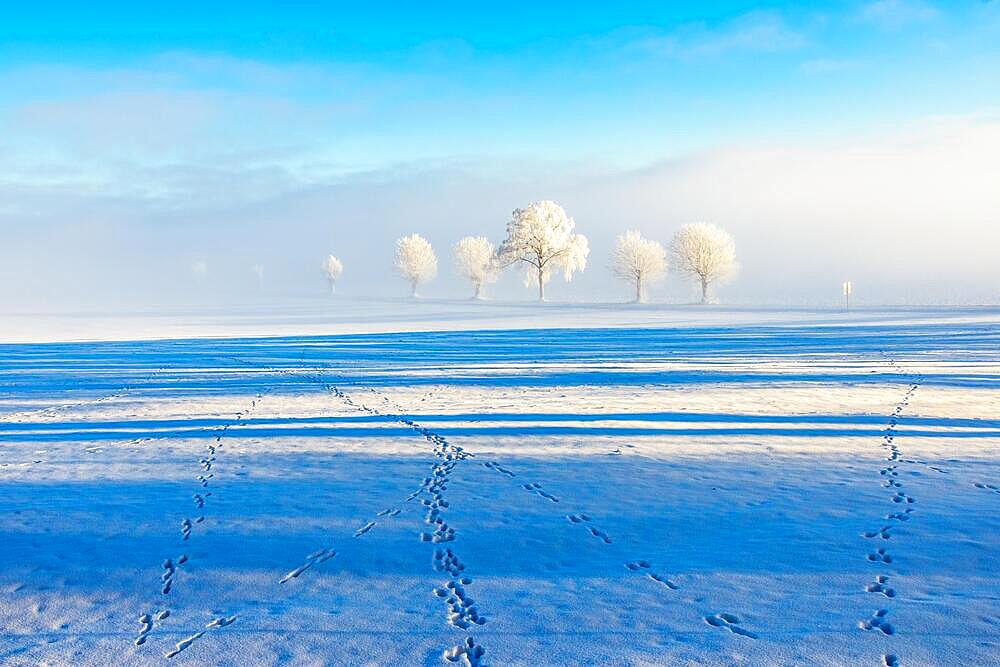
column 415, row 260
column 639, row 261
column 476, row 260
column 332, row 268
column 704, row 252
column 541, row 236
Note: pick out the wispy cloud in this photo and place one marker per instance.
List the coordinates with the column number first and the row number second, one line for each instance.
column 758, row 31
column 893, row 14
column 828, row 65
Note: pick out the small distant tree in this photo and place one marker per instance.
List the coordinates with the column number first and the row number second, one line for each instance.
column 258, row 270
column 541, row 236
column 476, row 260
column 704, row 252
column 415, row 261
column 332, row 268
column 639, row 261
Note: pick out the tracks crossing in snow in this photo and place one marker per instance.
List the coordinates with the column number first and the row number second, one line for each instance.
column 461, row 609
column 585, row 521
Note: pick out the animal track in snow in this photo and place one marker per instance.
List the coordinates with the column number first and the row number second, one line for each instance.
column 596, row 532
column 145, row 627
column 879, row 556
column 599, row 534
column 469, row 652
column 900, row 497
column 445, row 560
column 890, row 475
column 729, row 622
column 312, row 559
column 878, row 622
column 879, row 586
column 536, row 488
column 644, row 566
column 54, row 410
column 882, row 533
column 184, row 644
column 900, row 516
column 364, row 529
column 462, row 611
column 493, row 465
column 663, row 580
column 220, row 622
column 435, row 486
column 169, row 570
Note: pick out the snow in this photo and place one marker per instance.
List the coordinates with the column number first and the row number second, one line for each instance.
column 267, row 317
column 680, row 486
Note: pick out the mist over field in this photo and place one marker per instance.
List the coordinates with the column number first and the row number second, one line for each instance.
column 909, row 218
column 857, row 145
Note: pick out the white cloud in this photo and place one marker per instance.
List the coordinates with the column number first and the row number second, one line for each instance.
column 759, row 31
column 897, row 13
column 827, row 65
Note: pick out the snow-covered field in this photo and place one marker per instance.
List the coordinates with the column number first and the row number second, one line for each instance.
column 819, row 490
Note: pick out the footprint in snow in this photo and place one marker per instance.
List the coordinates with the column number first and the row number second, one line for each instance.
column 729, row 622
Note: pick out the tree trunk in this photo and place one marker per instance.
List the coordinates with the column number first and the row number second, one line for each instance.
column 413, row 290
column 638, row 290
column 479, row 291
column 704, row 291
column 541, row 285
column 333, row 287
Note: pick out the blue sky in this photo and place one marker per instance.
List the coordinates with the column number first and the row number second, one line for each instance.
column 140, row 119
column 631, row 83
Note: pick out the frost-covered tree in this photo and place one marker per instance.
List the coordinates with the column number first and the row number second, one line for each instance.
column 258, row 270
column 704, row 252
column 541, row 236
column 415, row 260
column 639, row 261
column 476, row 260
column 332, row 268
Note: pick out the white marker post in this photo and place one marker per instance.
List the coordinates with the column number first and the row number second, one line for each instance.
column 847, row 294
column 258, row 270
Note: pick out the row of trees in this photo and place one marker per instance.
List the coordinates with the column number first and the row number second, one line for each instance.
column 541, row 238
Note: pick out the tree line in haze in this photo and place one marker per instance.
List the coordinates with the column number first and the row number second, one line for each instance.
column 541, row 240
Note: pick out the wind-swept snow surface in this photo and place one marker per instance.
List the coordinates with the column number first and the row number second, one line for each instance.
column 759, row 495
